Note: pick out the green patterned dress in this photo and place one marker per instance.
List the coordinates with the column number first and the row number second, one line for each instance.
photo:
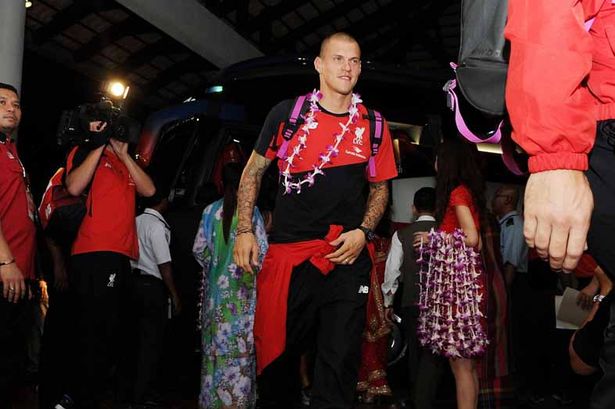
column 228, row 367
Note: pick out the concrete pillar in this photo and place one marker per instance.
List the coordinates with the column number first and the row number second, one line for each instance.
column 12, row 28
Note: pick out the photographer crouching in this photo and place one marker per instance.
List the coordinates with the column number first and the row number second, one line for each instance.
column 102, row 169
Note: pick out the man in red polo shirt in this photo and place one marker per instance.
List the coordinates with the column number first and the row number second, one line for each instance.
column 101, row 253
column 17, row 241
column 314, row 282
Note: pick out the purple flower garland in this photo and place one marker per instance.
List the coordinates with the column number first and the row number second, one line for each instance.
column 450, row 296
column 332, row 151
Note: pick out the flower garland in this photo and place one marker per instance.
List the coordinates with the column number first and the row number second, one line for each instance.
column 324, row 158
column 450, row 297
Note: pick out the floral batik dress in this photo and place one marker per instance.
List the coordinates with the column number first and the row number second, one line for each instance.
column 228, row 368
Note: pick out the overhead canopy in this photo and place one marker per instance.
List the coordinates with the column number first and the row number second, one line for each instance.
column 171, row 49
column 188, row 22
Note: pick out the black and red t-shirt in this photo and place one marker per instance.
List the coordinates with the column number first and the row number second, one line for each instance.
column 340, row 195
column 109, row 224
column 17, row 210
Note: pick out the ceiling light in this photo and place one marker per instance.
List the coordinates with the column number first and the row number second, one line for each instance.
column 117, row 89
column 28, row 4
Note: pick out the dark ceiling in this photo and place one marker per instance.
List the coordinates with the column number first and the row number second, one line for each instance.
column 101, row 38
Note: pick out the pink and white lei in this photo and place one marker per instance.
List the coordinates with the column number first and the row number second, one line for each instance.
column 326, row 157
column 450, row 297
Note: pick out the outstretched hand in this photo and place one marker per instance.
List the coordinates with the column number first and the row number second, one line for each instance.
column 558, row 207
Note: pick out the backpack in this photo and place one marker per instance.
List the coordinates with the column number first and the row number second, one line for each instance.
column 295, row 119
column 60, row 212
column 480, row 75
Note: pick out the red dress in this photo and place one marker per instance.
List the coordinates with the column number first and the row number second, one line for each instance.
column 460, row 196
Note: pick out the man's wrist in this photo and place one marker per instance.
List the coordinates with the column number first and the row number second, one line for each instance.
column 369, row 234
column 125, row 157
column 244, row 230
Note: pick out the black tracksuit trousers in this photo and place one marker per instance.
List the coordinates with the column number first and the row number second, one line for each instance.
column 328, row 312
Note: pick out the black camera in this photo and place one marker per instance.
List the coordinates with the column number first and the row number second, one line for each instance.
column 74, row 126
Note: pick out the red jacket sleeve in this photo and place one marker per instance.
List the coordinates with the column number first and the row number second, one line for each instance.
column 551, row 110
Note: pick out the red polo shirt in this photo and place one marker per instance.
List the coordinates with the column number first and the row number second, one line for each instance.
column 339, row 197
column 109, row 224
column 16, row 210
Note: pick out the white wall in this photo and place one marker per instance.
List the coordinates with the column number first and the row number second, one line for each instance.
column 403, row 196
column 404, row 190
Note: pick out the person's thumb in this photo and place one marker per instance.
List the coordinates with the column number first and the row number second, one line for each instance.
column 254, row 254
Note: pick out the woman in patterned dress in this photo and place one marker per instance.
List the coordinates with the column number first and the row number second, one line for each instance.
column 228, row 368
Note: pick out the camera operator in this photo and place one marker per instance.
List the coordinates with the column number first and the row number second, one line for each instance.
column 100, row 264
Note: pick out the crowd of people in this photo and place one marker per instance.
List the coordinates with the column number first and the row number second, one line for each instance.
column 299, row 309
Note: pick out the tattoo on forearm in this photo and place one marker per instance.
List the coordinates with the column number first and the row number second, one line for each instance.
column 376, row 204
column 248, row 190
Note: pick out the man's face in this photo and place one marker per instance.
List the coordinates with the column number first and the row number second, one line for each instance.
column 339, row 66
column 10, row 111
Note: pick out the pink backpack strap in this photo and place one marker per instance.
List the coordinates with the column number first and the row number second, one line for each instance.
column 508, row 148
column 291, row 125
column 376, row 129
column 453, row 103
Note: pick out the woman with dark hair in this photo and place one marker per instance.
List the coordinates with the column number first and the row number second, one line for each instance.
column 451, row 321
column 227, row 305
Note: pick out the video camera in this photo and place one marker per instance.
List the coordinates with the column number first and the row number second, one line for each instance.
column 74, row 125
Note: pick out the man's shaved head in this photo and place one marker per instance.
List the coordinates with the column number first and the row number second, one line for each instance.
column 336, row 36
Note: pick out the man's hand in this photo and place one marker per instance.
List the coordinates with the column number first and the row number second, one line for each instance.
column 98, row 134
column 120, row 148
column 420, row 237
column 98, row 126
column 352, row 242
column 13, row 282
column 585, row 299
column 558, row 207
column 245, row 252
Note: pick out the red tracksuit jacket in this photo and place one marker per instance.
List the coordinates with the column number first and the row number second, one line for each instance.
column 561, row 78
